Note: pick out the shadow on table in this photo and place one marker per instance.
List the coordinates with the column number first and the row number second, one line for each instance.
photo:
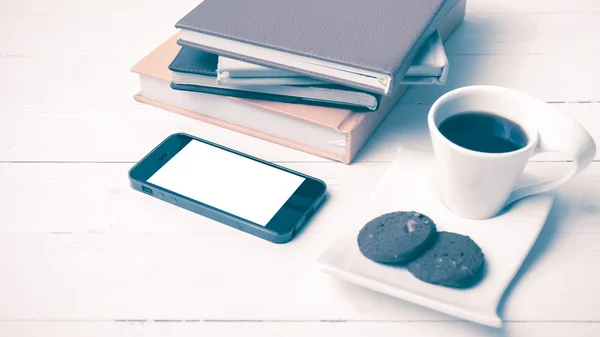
column 544, row 241
column 476, row 56
column 406, row 124
column 380, row 307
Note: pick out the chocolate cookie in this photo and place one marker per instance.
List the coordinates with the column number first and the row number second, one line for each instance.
column 454, row 260
column 396, row 237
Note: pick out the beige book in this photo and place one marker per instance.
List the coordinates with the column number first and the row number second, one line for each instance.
column 335, row 134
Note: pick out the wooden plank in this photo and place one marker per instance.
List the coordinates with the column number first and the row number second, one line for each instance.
column 105, row 252
column 123, row 34
column 118, row 33
column 78, row 81
column 96, row 198
column 532, row 6
column 111, row 133
column 75, row 81
column 526, row 34
column 407, row 126
column 125, row 133
column 200, row 276
column 75, row 8
column 293, row 329
column 552, row 78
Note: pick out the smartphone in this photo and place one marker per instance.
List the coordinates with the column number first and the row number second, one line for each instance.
column 236, row 189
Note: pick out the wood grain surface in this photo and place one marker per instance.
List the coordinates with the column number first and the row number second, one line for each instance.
column 82, row 254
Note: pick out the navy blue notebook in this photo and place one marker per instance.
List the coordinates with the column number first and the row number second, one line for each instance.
column 196, row 70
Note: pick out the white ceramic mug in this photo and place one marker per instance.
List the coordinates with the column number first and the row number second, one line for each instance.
column 479, row 185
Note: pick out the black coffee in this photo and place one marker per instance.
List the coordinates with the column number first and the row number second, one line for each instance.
column 484, row 132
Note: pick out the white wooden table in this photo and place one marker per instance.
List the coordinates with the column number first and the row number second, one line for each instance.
column 82, row 254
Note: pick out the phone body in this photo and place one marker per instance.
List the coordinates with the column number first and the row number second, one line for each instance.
column 247, row 193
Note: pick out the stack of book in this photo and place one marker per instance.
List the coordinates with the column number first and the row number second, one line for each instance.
column 317, row 76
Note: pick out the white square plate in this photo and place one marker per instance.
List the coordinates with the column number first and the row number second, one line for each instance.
column 505, row 240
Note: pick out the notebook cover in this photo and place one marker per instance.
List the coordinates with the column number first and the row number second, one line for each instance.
column 378, row 35
column 432, row 56
column 194, row 61
column 358, row 126
column 266, row 96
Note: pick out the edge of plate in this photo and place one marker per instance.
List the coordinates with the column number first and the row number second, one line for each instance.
column 492, row 320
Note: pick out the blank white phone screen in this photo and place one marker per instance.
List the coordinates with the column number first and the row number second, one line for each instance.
column 227, row 181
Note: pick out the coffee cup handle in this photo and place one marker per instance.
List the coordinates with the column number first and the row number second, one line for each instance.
column 559, row 133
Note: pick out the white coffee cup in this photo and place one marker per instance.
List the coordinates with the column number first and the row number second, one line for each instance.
column 478, row 185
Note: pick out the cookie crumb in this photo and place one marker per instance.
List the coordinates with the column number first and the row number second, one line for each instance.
column 410, row 224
